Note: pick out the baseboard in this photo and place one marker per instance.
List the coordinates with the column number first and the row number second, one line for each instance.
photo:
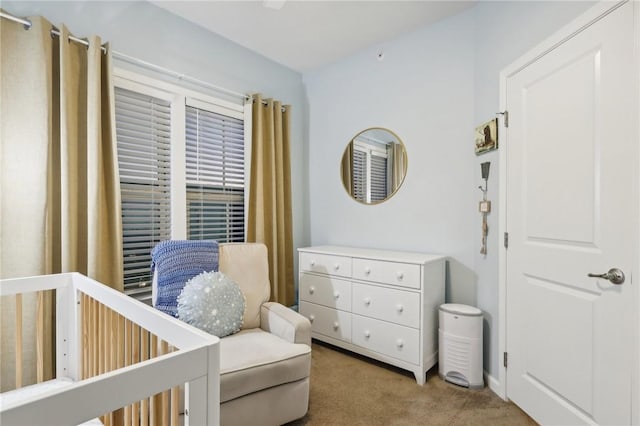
column 493, row 384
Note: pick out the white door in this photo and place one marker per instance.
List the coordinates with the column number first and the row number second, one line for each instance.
column 571, row 154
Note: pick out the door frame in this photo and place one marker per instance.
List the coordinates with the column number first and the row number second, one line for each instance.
column 585, row 20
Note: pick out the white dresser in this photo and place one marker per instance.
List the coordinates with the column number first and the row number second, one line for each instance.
column 378, row 303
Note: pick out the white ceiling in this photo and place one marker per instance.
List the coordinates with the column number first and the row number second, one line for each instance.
column 303, row 34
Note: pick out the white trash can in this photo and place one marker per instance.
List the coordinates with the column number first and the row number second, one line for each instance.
column 460, row 352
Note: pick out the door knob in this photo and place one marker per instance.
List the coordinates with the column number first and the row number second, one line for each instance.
column 615, row 275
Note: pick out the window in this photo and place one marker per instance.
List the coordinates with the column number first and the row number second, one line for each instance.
column 378, row 177
column 215, row 176
column 143, row 135
column 182, row 170
column 360, row 175
column 370, row 180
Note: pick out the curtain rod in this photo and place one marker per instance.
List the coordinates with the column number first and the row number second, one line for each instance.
column 179, row 76
column 54, row 31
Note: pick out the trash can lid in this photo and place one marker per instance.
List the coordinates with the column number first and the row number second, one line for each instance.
column 459, row 309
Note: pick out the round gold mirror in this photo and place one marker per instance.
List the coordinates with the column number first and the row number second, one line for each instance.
column 374, row 165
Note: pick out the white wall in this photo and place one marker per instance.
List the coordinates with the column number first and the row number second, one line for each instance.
column 423, row 91
column 504, row 31
column 433, row 87
column 145, row 31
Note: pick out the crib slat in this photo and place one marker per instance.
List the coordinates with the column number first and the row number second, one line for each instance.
column 164, row 349
column 108, row 418
column 175, row 400
column 101, row 348
column 18, row 341
column 89, row 336
column 99, row 337
column 113, row 354
column 84, row 300
column 94, row 337
column 40, row 338
column 118, row 416
column 127, row 361
column 144, row 355
column 155, row 409
column 135, row 358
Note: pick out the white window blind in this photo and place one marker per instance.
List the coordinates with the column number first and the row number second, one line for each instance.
column 143, row 125
column 215, row 176
column 359, row 175
column 370, row 180
column 378, row 178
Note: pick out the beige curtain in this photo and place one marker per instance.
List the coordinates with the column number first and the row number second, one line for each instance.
column 60, row 195
column 270, row 217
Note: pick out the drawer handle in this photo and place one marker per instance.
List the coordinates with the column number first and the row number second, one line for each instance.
column 313, row 263
column 367, row 270
column 399, row 343
column 311, row 317
column 312, row 290
column 336, row 325
column 399, row 308
column 336, row 295
column 367, row 301
column 336, row 266
column 367, row 334
column 400, row 276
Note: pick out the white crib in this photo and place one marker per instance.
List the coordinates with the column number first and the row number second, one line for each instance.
column 116, row 359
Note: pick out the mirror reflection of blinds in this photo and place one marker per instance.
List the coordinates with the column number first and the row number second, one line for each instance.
column 378, row 178
column 359, row 178
column 215, row 176
column 143, row 139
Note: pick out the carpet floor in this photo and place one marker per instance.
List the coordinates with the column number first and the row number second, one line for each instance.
column 347, row 389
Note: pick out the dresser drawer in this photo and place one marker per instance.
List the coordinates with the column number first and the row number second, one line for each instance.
column 389, row 339
column 327, row 321
column 326, row 264
column 398, row 306
column 325, row 290
column 396, row 273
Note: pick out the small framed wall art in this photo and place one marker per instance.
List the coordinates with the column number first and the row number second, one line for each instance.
column 487, row 136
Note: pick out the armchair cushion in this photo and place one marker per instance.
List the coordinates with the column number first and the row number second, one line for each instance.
column 247, row 265
column 253, row 360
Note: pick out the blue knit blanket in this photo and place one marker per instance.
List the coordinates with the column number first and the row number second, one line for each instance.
column 176, row 262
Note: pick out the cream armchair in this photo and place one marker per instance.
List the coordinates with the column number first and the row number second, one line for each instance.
column 264, row 368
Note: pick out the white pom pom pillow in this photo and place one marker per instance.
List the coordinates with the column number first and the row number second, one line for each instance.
column 213, row 303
